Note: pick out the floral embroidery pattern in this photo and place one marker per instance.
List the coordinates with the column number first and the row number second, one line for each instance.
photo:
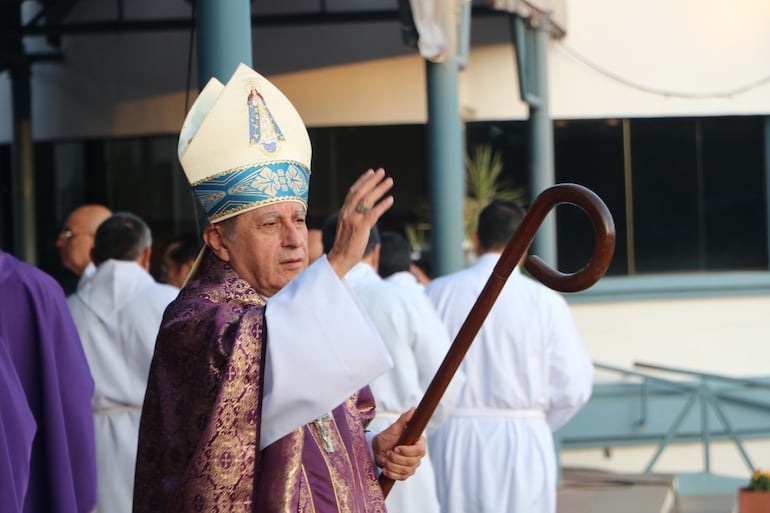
column 252, row 186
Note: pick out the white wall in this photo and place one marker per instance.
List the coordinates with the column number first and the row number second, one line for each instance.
column 726, row 335
column 667, row 58
column 641, row 58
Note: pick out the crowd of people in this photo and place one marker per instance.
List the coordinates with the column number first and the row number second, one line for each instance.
column 275, row 368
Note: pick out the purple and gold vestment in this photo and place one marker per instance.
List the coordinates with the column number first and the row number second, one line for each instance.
column 198, row 445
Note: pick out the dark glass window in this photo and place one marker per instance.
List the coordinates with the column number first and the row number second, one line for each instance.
column 6, row 229
column 698, row 194
column 590, row 153
column 341, row 154
column 686, row 195
column 139, row 175
column 735, row 220
column 510, row 139
column 666, row 210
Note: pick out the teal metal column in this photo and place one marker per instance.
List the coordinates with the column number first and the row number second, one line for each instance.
column 446, row 150
column 542, row 173
column 530, row 38
column 224, row 38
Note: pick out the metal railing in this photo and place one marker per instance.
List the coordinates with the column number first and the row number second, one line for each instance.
column 729, row 408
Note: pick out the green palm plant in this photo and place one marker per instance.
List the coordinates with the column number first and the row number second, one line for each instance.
column 483, row 185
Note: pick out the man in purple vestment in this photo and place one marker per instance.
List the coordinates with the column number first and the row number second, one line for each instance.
column 17, row 430
column 257, row 398
column 47, row 425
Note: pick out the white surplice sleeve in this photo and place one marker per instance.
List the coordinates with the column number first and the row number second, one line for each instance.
column 321, row 348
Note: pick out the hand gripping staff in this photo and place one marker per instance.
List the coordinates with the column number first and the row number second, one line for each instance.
column 604, row 233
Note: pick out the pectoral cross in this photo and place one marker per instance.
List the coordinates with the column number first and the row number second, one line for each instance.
column 322, row 423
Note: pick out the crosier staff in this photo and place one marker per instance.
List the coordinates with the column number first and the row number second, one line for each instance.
column 604, row 233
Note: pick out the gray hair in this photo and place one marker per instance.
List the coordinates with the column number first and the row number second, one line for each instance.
column 122, row 236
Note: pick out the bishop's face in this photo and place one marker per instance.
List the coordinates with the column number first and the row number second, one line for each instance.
column 266, row 246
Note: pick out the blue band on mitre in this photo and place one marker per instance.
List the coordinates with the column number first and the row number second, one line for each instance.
column 252, row 186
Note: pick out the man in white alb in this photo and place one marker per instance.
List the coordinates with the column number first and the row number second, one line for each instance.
column 527, row 373
column 417, row 341
column 117, row 313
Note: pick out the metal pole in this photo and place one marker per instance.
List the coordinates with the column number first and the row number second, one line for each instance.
column 629, row 197
column 445, row 154
column 766, row 127
column 542, row 173
column 224, row 38
column 23, row 180
column 704, row 425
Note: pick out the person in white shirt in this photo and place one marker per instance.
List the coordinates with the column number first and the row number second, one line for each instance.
column 527, row 373
column 117, row 313
column 418, row 341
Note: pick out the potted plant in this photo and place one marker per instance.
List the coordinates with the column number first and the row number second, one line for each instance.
column 755, row 498
column 484, row 184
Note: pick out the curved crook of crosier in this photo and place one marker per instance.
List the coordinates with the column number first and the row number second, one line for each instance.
column 604, row 233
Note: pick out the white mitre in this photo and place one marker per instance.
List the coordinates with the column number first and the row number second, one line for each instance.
column 244, row 145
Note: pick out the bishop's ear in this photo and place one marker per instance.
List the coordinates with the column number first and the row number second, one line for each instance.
column 214, row 237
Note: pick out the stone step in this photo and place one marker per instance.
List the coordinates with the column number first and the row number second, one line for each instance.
column 585, row 490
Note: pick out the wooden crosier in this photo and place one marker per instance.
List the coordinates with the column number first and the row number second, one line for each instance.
column 604, row 233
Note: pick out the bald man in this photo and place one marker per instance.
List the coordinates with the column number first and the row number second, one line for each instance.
column 76, row 239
